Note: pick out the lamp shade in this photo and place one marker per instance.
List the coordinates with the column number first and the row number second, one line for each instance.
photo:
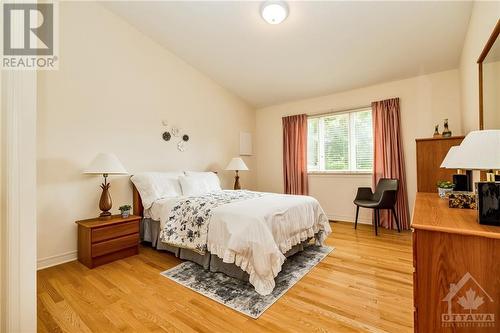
column 480, row 150
column 451, row 161
column 105, row 163
column 237, row 164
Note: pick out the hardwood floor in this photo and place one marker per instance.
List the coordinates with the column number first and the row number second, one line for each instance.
column 365, row 285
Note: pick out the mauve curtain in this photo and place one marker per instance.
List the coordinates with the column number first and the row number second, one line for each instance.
column 295, row 154
column 388, row 161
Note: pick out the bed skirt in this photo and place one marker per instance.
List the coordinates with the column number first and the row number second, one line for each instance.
column 150, row 231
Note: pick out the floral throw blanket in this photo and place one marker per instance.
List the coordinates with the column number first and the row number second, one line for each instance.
column 188, row 220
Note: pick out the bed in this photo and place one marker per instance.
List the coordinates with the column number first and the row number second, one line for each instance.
column 244, row 234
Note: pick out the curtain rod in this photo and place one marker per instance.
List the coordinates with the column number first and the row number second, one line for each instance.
column 314, row 115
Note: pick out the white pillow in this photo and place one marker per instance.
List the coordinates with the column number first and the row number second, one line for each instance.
column 197, row 183
column 209, row 178
column 157, row 185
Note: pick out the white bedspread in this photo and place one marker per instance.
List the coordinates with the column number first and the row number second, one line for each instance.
column 255, row 233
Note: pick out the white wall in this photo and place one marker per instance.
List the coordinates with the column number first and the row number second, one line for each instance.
column 336, row 192
column 2, row 210
column 113, row 88
column 425, row 101
column 484, row 17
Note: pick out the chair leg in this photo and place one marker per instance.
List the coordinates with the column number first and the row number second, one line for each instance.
column 377, row 217
column 356, row 221
column 396, row 218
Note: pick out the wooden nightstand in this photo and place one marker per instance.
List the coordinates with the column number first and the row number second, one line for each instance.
column 102, row 241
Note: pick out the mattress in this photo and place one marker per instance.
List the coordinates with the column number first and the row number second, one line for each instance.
column 150, row 230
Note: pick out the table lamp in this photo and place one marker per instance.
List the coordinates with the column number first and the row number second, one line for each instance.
column 237, row 164
column 462, row 179
column 480, row 150
column 105, row 164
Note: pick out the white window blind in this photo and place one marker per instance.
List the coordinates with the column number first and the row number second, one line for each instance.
column 313, row 143
column 341, row 142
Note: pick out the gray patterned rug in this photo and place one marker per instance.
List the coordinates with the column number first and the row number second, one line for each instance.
column 241, row 296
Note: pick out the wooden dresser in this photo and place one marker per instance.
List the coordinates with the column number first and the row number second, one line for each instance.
column 430, row 154
column 102, row 241
column 457, row 269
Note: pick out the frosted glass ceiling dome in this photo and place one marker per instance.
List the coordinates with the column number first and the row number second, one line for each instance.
column 274, row 12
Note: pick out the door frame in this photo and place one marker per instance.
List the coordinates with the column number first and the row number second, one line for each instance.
column 18, row 186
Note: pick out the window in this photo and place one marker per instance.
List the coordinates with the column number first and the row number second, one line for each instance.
column 340, row 142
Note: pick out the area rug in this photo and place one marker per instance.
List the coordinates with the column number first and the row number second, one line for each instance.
column 241, row 296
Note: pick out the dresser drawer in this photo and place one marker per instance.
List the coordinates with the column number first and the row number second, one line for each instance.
column 114, row 245
column 114, row 231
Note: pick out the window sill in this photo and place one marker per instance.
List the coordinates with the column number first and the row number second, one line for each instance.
column 340, row 173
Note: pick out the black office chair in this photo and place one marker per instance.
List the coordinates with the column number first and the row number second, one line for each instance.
column 384, row 197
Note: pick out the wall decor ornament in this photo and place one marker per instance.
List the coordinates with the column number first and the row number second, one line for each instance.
column 166, row 136
column 175, row 131
column 181, row 146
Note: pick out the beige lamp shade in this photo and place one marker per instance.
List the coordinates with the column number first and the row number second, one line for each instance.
column 451, row 161
column 105, row 163
column 480, row 150
column 236, row 164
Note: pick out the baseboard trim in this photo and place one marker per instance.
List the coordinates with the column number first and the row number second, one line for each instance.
column 56, row 260
column 59, row 259
column 346, row 218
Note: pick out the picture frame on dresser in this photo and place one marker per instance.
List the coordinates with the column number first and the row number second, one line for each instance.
column 488, row 203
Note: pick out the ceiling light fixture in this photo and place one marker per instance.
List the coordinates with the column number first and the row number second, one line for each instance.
column 274, row 12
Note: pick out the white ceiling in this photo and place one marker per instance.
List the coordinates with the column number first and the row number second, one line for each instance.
column 321, row 48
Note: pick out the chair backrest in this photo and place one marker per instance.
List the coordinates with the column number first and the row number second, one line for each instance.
column 384, row 185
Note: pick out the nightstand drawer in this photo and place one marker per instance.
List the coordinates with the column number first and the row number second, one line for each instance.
column 114, row 245
column 114, row 231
